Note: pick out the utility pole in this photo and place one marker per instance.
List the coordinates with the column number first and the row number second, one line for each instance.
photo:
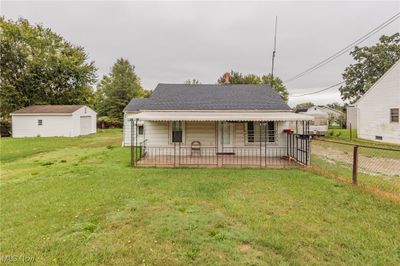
column 274, row 52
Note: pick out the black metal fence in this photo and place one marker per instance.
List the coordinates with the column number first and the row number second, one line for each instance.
column 295, row 153
column 299, row 147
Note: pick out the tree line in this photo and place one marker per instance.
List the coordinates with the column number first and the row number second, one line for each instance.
column 39, row 66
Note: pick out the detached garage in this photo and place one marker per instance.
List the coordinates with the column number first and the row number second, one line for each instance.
column 53, row 121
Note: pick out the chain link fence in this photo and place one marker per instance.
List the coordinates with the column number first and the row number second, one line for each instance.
column 376, row 169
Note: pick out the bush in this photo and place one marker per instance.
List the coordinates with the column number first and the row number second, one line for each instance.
column 108, row 122
column 5, row 127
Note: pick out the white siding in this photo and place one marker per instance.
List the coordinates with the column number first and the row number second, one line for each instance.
column 27, row 126
column 374, row 108
column 351, row 117
column 53, row 125
column 76, row 117
column 205, row 132
column 158, row 133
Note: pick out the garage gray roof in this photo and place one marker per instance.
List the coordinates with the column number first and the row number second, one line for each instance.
column 210, row 97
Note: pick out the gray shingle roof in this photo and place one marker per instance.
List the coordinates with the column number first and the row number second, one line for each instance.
column 210, row 97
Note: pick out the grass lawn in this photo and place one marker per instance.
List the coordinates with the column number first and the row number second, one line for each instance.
column 77, row 201
column 343, row 135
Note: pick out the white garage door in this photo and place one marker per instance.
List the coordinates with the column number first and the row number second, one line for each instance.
column 86, row 125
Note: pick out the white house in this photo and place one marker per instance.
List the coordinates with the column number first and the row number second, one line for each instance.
column 53, row 120
column 319, row 124
column 376, row 113
column 351, row 117
column 206, row 124
column 322, row 115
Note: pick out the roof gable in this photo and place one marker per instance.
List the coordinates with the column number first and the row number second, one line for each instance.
column 210, row 97
column 394, row 68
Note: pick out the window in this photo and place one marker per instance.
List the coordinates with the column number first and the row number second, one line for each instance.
column 140, row 130
column 270, row 131
column 378, row 137
column 177, row 131
column 85, row 110
column 266, row 133
column 40, row 122
column 250, row 132
column 394, row 115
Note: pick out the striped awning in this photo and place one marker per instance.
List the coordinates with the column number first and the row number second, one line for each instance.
column 220, row 116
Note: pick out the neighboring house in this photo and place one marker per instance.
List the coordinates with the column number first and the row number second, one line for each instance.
column 319, row 124
column 351, row 117
column 53, row 120
column 335, row 116
column 324, row 117
column 182, row 124
column 376, row 113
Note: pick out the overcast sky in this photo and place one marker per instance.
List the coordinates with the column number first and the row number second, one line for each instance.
column 171, row 42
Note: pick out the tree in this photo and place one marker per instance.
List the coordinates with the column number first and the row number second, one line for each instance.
column 116, row 89
column 337, row 106
column 239, row 78
column 305, row 105
column 371, row 63
column 38, row 66
column 277, row 85
column 192, row 81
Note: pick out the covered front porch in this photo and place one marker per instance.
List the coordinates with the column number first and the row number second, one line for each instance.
column 199, row 139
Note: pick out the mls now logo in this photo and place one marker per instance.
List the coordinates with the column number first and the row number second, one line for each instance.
column 15, row 258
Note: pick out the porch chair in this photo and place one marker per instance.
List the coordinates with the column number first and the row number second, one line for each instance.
column 195, row 148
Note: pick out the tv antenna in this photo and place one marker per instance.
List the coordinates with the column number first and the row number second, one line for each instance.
column 274, row 52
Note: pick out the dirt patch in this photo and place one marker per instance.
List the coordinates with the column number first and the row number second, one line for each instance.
column 244, row 247
column 369, row 165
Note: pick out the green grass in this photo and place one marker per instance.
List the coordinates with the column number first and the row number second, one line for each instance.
column 77, row 202
column 344, row 136
column 339, row 133
column 380, row 185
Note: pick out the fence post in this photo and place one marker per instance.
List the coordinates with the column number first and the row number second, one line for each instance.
column 355, row 164
column 136, row 141
column 174, row 154
column 351, row 133
column 260, row 145
column 179, row 158
column 132, row 147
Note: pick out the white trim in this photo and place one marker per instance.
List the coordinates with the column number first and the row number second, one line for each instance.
column 44, row 114
column 209, row 111
column 221, row 116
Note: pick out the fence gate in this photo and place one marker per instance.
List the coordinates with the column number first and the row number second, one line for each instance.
column 298, row 148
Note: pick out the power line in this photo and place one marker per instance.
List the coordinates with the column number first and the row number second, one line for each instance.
column 346, row 49
column 315, row 92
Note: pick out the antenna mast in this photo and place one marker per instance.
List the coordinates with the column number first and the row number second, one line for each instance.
column 274, row 52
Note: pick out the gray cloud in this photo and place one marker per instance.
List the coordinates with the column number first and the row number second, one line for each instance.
column 175, row 41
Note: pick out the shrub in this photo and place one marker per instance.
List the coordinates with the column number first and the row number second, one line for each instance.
column 5, row 127
column 109, row 122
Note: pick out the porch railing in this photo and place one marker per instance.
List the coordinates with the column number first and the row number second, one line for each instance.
column 261, row 156
column 299, row 148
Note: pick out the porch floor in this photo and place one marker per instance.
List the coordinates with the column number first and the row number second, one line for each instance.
column 214, row 161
